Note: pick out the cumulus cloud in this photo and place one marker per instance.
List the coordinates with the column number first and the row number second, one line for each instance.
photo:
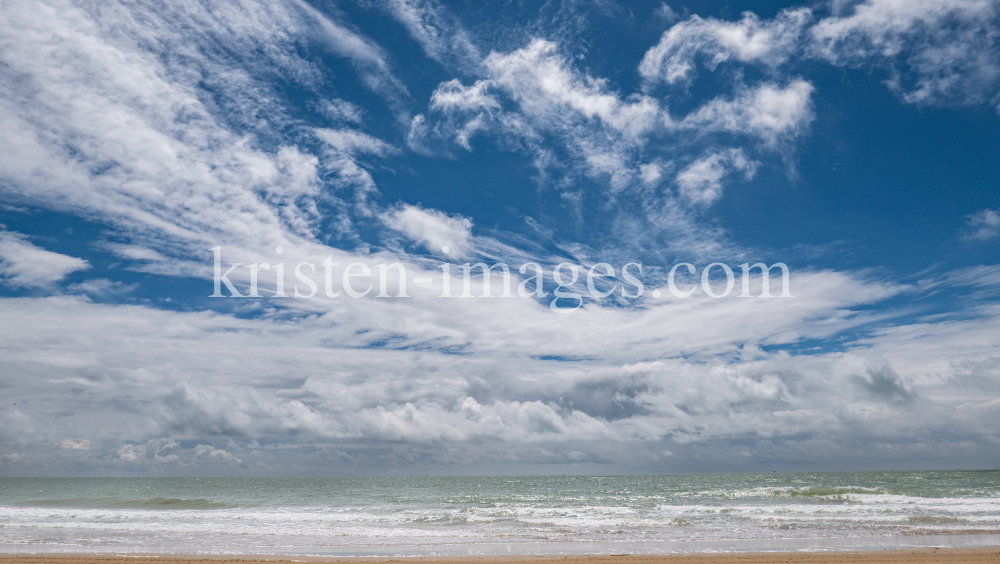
column 432, row 229
column 939, row 51
column 651, row 172
column 750, row 40
column 452, row 95
column 216, row 454
column 598, row 126
column 530, row 96
column 499, row 397
column 577, row 126
column 71, row 444
column 773, row 114
column 701, row 181
column 23, row 264
column 540, row 79
column 148, row 453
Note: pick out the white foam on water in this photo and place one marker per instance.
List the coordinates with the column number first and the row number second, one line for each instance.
column 640, row 514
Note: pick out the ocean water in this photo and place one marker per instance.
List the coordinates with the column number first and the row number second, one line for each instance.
column 501, row 515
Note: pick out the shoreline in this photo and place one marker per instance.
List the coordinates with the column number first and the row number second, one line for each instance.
column 529, row 550
column 960, row 555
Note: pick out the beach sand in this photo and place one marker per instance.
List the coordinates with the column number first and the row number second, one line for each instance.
column 920, row 556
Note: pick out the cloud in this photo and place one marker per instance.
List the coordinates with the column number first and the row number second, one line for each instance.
column 538, row 78
column 432, row 229
column 368, row 58
column 666, row 13
column 22, row 264
column 978, row 283
column 216, row 454
column 102, row 288
column 939, row 51
column 71, row 444
column 651, row 172
column 701, row 181
column 750, row 40
column 551, row 97
column 123, row 133
column 983, row 225
column 775, row 115
column 350, row 141
column 173, row 128
column 499, row 396
column 451, row 95
column 152, row 452
column 578, row 129
column 341, row 111
column 342, row 162
column 587, row 142
column 439, row 33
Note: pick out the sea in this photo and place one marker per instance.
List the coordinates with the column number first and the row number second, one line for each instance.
column 426, row 516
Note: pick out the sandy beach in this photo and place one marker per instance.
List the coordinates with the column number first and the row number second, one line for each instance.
column 929, row 555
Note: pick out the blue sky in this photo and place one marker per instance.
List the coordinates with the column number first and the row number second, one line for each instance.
column 854, row 141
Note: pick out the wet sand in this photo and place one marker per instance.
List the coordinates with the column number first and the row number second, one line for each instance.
column 980, row 555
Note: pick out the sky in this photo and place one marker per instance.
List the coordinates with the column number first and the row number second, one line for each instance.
column 142, row 142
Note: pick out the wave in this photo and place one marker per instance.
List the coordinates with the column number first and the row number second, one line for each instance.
column 823, row 491
column 129, row 503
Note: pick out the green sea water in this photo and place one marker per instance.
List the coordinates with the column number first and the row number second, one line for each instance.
column 497, row 515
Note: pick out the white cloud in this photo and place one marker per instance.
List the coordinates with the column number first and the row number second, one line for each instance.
column 341, row 161
column 540, row 80
column 318, row 380
column 940, row 51
column 22, row 264
column 475, row 106
column 128, row 452
column 341, row 110
column 750, row 40
column 72, row 444
column 551, row 98
column 952, row 360
column 533, row 96
column 118, row 132
column 216, row 454
column 122, row 133
column 368, row 58
column 452, row 95
column 773, row 114
column 102, row 288
column 984, row 225
column 701, row 181
column 437, row 30
column 576, row 129
column 651, row 173
column 666, row 13
column 529, row 97
column 150, row 452
column 351, row 141
column 432, row 229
